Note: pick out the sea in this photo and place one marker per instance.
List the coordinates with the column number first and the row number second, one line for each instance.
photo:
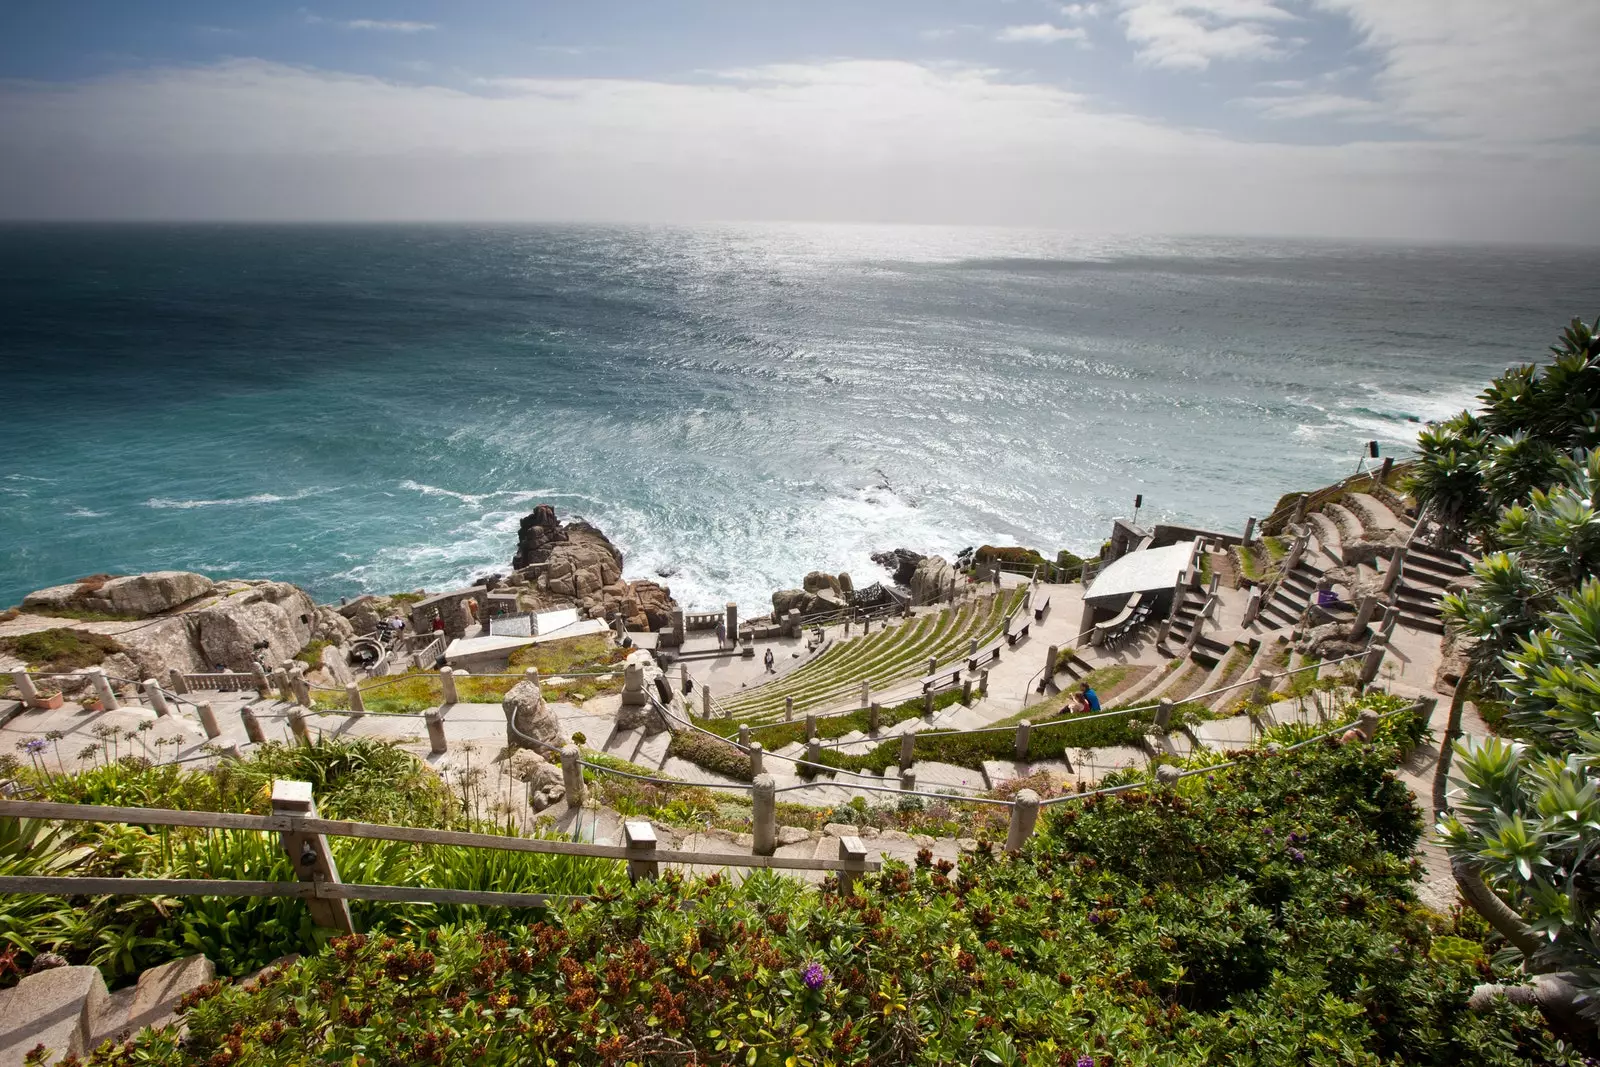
column 373, row 408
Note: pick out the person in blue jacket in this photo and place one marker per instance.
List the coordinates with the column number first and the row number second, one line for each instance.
column 1088, row 700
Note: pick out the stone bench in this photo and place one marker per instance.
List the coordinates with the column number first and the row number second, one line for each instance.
column 930, row 682
column 1015, row 635
column 1041, row 610
column 984, row 656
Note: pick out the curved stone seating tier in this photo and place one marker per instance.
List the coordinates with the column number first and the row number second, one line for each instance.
column 1376, row 518
column 1348, row 523
column 897, row 654
column 949, row 634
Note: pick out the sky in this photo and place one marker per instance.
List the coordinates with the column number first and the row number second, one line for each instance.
column 1452, row 120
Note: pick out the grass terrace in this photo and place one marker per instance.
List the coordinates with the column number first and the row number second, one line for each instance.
column 882, row 658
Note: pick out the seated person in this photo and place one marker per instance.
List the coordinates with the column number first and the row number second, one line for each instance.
column 1088, row 700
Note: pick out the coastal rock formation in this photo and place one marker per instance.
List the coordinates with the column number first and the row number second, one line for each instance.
column 817, row 581
column 529, row 721
column 932, row 580
column 157, row 647
column 545, row 782
column 786, row 600
column 900, row 562
column 576, row 564
column 278, row 613
column 137, row 595
column 846, row 586
column 332, row 627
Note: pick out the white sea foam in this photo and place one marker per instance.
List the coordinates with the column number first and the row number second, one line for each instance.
column 258, row 498
column 85, row 513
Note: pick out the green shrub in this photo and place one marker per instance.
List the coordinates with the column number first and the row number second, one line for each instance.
column 718, row 757
column 1261, row 917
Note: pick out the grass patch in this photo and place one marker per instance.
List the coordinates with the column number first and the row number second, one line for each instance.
column 60, row 649
column 312, row 653
column 591, row 652
column 407, row 598
column 1304, row 682
column 711, row 754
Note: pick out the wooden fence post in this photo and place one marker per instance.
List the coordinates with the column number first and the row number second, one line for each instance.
column 1024, row 814
column 853, row 852
column 310, row 855
column 764, row 815
column 437, row 744
column 639, row 837
column 1024, row 735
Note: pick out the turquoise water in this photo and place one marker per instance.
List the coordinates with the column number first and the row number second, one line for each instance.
column 373, row 408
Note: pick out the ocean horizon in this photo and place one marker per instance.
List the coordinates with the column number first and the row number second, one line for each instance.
column 371, row 408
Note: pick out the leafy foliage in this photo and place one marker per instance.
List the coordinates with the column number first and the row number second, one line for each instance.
column 1274, row 924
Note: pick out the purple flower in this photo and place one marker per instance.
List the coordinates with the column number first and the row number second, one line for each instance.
column 1094, row 917
column 1296, row 855
column 1086, row 1061
column 36, row 746
column 814, row 976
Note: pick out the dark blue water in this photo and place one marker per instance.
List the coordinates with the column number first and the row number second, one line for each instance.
column 372, row 408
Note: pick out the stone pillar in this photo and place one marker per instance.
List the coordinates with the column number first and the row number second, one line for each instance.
column 280, row 678
column 1215, row 583
column 572, row 776
column 259, row 679
column 763, row 815
column 972, row 648
column 908, row 780
column 352, row 693
column 208, row 719
column 252, row 726
column 874, row 714
column 705, row 701
column 966, row 692
column 1372, row 660
column 757, row 755
column 983, row 683
column 102, row 689
column 1391, row 577
column 302, row 690
column 1085, row 622
column 733, row 624
column 1164, row 716
column 683, row 678
column 1300, row 508
column 853, row 852
column 231, row 751
column 908, row 745
column 1024, row 735
column 1249, row 529
column 1266, row 685
column 1364, row 613
column 744, row 735
column 639, row 837
column 1252, row 607
column 933, row 664
column 1383, row 472
column 180, row 684
column 866, row 693
column 811, row 727
column 436, row 739
column 1367, row 724
column 299, row 726
column 1050, row 664
column 310, row 856
column 447, row 682
column 531, row 675
column 814, row 752
column 788, row 709
column 1391, row 616
column 1024, row 814
column 927, row 704
column 158, row 699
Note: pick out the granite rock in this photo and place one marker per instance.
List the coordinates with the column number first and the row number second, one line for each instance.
column 529, row 719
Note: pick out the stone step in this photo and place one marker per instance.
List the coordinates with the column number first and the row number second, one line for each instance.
column 652, row 751
column 623, row 743
column 154, row 1001
column 60, row 1008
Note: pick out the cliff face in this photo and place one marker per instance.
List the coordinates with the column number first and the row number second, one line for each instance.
column 578, row 563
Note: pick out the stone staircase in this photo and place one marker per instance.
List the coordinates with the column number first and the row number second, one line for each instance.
column 1423, row 578
column 1294, row 592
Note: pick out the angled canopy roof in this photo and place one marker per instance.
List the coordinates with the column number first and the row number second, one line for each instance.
column 1141, row 572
